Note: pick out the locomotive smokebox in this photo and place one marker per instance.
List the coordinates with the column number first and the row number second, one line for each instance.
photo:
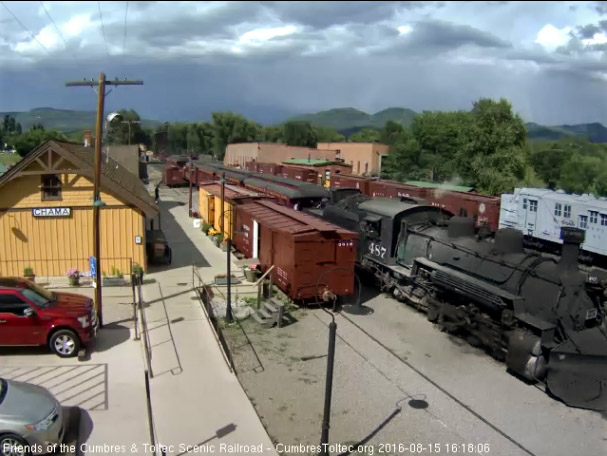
column 460, row 226
column 572, row 239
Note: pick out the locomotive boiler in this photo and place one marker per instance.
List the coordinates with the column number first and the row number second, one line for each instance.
column 544, row 317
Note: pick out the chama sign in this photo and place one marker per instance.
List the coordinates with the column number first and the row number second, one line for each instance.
column 52, row 212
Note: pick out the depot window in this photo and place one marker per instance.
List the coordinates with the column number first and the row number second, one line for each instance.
column 567, row 211
column 594, row 216
column 51, row 188
column 583, row 221
column 558, row 209
column 603, row 220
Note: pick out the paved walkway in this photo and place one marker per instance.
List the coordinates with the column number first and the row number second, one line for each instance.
column 196, row 400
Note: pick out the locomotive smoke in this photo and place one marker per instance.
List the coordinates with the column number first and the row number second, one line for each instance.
column 455, row 180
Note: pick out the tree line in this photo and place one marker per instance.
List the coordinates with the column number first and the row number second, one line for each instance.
column 486, row 147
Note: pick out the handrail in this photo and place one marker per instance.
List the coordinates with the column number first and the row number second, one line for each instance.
column 147, row 356
column 264, row 276
column 203, row 287
column 143, row 330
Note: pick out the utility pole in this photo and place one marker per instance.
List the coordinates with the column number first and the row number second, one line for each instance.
column 97, row 203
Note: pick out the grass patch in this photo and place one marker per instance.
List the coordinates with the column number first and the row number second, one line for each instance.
column 9, row 159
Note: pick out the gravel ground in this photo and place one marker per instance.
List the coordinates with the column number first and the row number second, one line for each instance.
column 471, row 399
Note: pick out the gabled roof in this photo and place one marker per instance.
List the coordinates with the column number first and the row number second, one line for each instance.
column 115, row 179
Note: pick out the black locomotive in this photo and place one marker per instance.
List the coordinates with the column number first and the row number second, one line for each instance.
column 543, row 316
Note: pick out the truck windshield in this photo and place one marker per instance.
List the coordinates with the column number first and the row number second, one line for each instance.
column 37, row 298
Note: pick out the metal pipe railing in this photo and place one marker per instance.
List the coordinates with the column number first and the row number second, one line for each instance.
column 205, row 299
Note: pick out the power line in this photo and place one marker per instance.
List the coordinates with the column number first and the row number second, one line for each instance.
column 25, row 28
column 126, row 10
column 107, row 49
column 51, row 19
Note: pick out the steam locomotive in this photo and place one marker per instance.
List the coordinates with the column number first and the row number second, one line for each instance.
column 544, row 317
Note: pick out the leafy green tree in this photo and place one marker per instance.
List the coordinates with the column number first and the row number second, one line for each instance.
column 548, row 164
column 405, row 159
column 580, row 174
column 127, row 129
column 498, row 150
column 443, row 138
column 28, row 141
column 271, row 134
column 299, row 133
column 231, row 128
column 391, row 132
column 327, row 134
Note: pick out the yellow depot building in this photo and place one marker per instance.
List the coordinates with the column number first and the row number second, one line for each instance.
column 46, row 213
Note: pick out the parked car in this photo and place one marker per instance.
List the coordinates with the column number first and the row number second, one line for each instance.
column 32, row 315
column 31, row 419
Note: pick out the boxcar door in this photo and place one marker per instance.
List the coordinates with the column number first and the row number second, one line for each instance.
column 530, row 216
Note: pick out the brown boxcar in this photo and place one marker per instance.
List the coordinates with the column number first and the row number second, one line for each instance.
column 299, row 173
column 485, row 209
column 393, row 189
column 349, row 181
column 268, row 168
column 303, row 249
column 173, row 176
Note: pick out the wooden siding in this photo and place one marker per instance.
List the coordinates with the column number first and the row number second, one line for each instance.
column 76, row 191
column 51, row 246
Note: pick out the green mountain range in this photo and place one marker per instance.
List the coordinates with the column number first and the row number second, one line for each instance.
column 345, row 120
column 64, row 120
column 349, row 120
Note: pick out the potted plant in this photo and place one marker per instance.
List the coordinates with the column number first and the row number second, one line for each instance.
column 206, row 227
column 250, row 272
column 28, row 273
column 73, row 275
column 218, row 239
column 213, row 233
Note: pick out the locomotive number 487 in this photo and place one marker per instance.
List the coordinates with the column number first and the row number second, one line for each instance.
column 377, row 250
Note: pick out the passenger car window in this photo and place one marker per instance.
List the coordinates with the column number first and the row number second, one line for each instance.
column 10, row 303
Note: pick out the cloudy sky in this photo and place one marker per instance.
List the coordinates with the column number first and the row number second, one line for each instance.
column 269, row 60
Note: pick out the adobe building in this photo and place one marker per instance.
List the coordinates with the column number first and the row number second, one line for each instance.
column 46, row 213
column 365, row 158
column 240, row 154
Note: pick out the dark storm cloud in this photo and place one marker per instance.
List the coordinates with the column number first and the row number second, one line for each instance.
column 179, row 26
column 325, row 14
column 431, row 38
column 588, row 31
column 271, row 60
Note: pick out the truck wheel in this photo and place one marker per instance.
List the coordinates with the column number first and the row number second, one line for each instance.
column 13, row 445
column 65, row 343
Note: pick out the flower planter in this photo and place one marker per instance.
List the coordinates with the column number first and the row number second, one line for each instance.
column 113, row 282
column 74, row 281
column 250, row 274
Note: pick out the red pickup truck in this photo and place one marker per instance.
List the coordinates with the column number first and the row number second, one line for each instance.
column 32, row 315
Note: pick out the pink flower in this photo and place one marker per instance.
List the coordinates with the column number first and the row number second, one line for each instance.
column 73, row 273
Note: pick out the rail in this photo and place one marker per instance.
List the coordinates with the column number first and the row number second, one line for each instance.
column 205, row 301
column 147, row 356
